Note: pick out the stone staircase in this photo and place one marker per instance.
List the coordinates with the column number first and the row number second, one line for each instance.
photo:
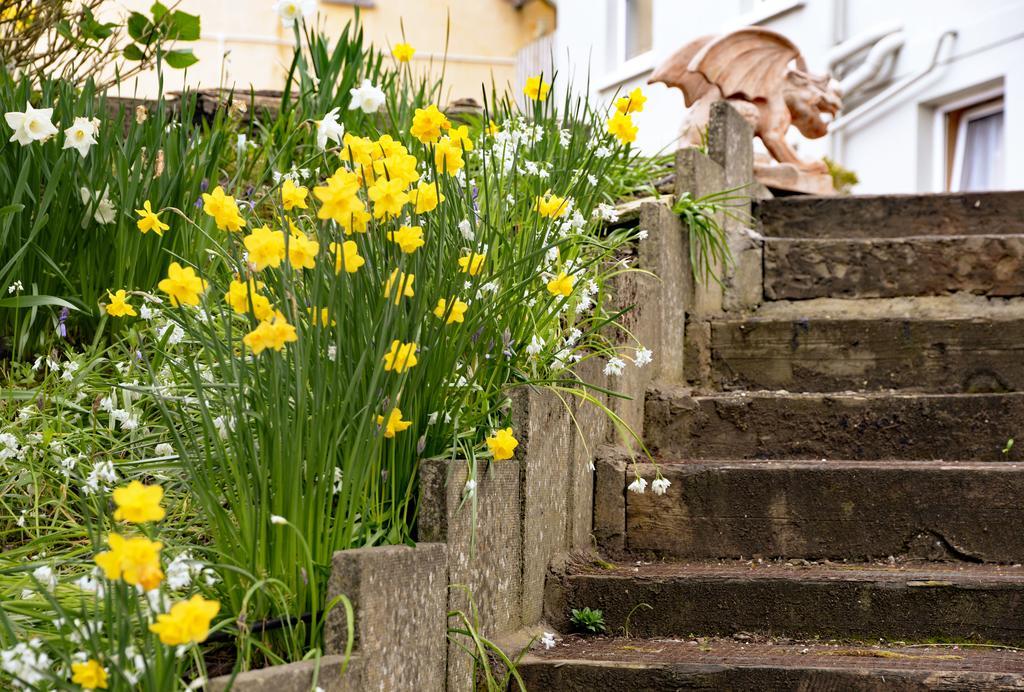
column 844, row 512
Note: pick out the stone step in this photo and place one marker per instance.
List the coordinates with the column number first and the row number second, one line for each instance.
column 928, row 602
column 798, row 269
column 857, row 510
column 855, row 426
column 892, row 216
column 830, row 354
column 615, row 664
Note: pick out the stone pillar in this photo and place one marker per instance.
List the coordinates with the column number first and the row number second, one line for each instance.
column 400, row 633
column 731, row 146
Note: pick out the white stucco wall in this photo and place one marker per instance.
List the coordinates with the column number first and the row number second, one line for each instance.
column 894, row 149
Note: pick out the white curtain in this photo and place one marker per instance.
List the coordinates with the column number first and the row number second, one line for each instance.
column 983, row 154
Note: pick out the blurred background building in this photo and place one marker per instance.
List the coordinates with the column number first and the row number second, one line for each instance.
column 243, row 42
column 934, row 88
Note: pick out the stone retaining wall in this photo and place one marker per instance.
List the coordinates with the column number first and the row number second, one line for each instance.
column 486, row 553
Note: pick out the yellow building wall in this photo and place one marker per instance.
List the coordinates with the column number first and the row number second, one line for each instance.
column 243, row 42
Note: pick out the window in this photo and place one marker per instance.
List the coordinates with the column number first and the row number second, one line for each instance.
column 975, row 151
column 638, row 27
column 631, row 30
column 754, row 12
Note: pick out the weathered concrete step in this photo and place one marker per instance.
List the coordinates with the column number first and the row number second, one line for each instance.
column 858, row 510
column 615, row 664
column 892, row 216
column 797, row 269
column 877, row 425
column 966, row 603
column 801, row 354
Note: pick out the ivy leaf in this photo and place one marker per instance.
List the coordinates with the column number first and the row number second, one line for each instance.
column 181, row 58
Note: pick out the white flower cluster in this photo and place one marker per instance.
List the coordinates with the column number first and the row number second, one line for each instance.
column 26, row 663
column 102, row 478
column 659, row 486
column 184, row 568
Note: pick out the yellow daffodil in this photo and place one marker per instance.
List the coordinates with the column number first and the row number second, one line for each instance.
column 502, row 444
column 427, row 124
column 536, row 88
column 388, row 197
column 182, row 285
column 472, row 263
column 457, row 313
column 187, row 622
column 633, row 103
column 293, row 196
column 360, row 152
column 409, row 238
column 136, row 561
column 561, row 285
column 240, row 295
column 403, row 52
column 448, row 157
column 302, row 249
column 273, row 333
column 551, row 206
column 400, row 357
column 394, row 423
column 265, row 247
column 138, row 503
column 460, row 137
column 119, row 305
column 223, row 210
column 492, row 128
column 621, row 125
column 90, row 675
column 347, row 257
column 397, row 167
column 337, row 196
column 321, row 317
column 402, row 283
column 150, row 220
column 426, row 197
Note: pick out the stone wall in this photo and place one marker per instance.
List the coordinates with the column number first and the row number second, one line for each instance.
column 485, row 551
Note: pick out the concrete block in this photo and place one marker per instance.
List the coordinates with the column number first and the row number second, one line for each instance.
column 542, row 424
column 330, row 673
column 663, row 253
column 590, row 428
column 610, row 500
column 640, row 324
column 403, row 631
column 731, row 145
column 697, row 175
column 835, row 510
column 485, row 546
column 853, row 426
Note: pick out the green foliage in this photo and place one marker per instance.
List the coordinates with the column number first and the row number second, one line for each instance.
column 709, row 247
column 588, row 621
column 843, row 179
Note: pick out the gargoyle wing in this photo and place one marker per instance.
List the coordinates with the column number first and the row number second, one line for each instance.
column 750, row 63
column 675, row 71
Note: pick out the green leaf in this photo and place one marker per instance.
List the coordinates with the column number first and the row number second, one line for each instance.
column 181, row 58
column 11, row 209
column 34, row 301
column 139, row 28
column 158, row 10
column 133, row 52
column 183, row 26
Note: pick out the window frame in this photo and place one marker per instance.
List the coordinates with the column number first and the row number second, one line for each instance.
column 982, row 110
column 618, row 68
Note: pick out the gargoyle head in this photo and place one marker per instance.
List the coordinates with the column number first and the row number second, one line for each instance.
column 812, row 100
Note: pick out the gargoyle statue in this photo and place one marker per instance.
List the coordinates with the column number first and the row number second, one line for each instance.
column 750, row 68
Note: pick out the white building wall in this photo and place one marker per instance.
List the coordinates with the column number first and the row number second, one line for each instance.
column 895, row 148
